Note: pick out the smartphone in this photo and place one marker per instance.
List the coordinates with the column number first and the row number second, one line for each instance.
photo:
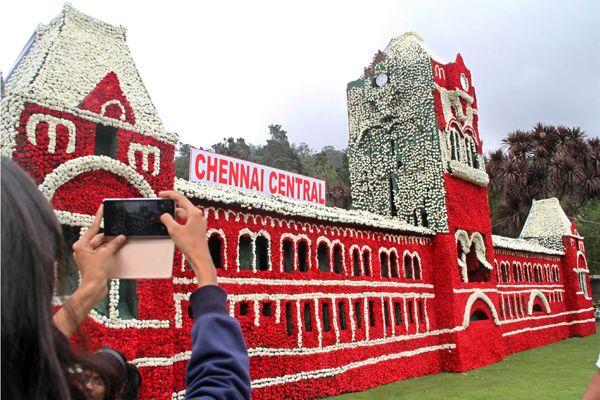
column 136, row 217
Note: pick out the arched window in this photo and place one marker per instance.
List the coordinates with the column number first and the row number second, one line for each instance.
column 516, row 274
column 358, row 314
column 394, row 264
column 342, row 315
column 253, row 251
column 302, row 255
column 417, row 267
column 289, row 318
column 408, row 271
column 468, row 151
column 338, row 259
column 478, row 315
column 326, row 318
column 288, row 255
column 356, row 262
column 307, row 318
column 475, row 162
column 385, row 267
column 215, row 247
column 245, row 255
column 262, row 253
column 367, row 262
column 504, row 270
column 323, row 256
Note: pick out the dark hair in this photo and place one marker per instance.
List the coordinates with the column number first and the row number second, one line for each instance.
column 132, row 378
column 37, row 359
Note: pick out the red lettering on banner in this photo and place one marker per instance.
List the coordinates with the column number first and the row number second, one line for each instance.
column 273, row 182
column 280, row 184
column 305, row 187
column 199, row 158
column 314, row 196
column 233, row 174
column 245, row 177
column 254, row 179
column 289, row 184
column 211, row 168
column 215, row 168
column 223, row 171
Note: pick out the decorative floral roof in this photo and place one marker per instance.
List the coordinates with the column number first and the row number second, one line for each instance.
column 286, row 206
column 65, row 60
column 522, row 245
column 546, row 219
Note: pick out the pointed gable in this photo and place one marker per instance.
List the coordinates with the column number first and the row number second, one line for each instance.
column 77, row 63
column 108, row 100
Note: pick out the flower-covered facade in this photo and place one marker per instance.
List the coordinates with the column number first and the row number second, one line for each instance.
column 329, row 300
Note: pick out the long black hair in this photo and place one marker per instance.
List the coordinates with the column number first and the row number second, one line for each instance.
column 38, row 361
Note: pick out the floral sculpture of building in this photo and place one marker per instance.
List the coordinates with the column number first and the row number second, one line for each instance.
column 411, row 283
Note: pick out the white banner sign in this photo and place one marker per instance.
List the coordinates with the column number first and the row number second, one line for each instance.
column 222, row 170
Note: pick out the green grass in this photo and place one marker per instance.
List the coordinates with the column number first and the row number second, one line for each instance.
column 558, row 371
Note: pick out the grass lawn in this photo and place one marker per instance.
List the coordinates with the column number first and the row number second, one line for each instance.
column 558, row 371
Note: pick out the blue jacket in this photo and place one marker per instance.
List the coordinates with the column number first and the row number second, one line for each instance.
column 219, row 366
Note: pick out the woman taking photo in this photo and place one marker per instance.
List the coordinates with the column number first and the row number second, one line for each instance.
column 39, row 361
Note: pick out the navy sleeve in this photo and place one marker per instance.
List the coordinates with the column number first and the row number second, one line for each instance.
column 219, row 366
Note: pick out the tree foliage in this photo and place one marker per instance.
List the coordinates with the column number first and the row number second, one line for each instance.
column 545, row 162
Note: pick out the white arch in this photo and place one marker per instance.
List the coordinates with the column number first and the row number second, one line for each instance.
column 478, row 294
column 537, row 293
column 109, row 103
column 52, row 122
column 580, row 253
column 72, row 168
column 294, row 239
column 221, row 234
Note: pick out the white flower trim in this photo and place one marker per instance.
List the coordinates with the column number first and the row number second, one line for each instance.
column 307, row 282
column 111, row 102
column 328, row 372
column 522, row 245
column 537, row 328
column 72, row 168
column 285, row 206
column 479, row 294
column 146, row 150
column 361, row 253
column 52, row 122
column 462, row 238
column 463, row 171
column 537, row 293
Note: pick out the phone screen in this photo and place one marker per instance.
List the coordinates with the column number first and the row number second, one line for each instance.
column 136, row 217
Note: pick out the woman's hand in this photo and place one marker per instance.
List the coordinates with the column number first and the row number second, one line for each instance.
column 93, row 254
column 190, row 237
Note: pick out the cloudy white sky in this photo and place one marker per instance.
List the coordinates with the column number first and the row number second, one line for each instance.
column 217, row 69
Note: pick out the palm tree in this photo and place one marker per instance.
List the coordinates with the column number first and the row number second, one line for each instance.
column 547, row 161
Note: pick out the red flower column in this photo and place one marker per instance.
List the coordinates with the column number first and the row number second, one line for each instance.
column 574, row 261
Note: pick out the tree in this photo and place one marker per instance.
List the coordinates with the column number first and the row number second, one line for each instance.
column 182, row 160
column 237, row 148
column 278, row 152
column 547, row 161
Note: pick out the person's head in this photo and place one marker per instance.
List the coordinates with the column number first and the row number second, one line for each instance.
column 36, row 357
column 132, row 380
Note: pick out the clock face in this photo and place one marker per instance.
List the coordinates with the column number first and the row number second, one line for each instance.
column 381, row 80
column 464, row 82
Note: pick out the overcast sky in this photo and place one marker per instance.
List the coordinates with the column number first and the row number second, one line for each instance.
column 227, row 68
